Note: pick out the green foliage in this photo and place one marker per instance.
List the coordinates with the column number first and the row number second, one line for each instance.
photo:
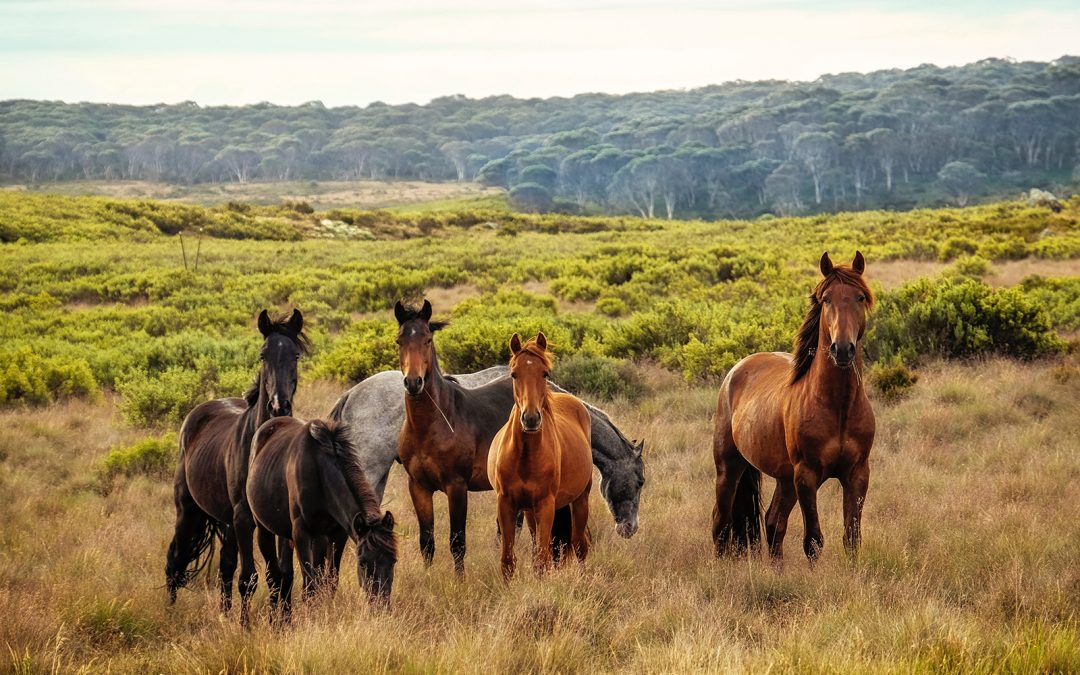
column 957, row 318
column 599, row 377
column 363, row 349
column 27, row 377
column 892, row 380
column 165, row 398
column 151, row 456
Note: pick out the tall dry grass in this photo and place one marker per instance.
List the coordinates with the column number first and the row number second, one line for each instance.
column 969, row 561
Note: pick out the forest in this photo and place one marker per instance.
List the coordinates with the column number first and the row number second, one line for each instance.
column 892, row 139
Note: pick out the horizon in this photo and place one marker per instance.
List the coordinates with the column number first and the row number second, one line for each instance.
column 167, row 52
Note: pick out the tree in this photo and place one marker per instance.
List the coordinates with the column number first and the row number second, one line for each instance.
column 531, row 197
column 960, row 179
column 817, row 150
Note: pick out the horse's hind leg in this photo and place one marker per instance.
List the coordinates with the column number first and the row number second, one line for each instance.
column 458, row 497
column 425, row 518
column 579, row 538
column 192, row 533
column 855, row 484
column 268, row 546
column 776, row 518
column 227, row 567
column 807, row 482
column 561, row 533
column 730, row 467
column 285, row 564
column 338, row 548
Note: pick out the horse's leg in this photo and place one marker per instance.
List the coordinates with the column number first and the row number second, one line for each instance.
column 458, row 497
column 730, row 467
column 855, row 484
column 244, row 527
column 579, row 538
column 304, row 551
column 268, row 546
column 807, row 482
column 192, row 528
column 339, row 542
column 545, row 515
column 227, row 566
column 561, row 534
column 285, row 564
column 776, row 518
column 320, row 560
column 425, row 518
column 507, row 529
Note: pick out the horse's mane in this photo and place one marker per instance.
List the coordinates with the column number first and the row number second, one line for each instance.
column 334, row 436
column 279, row 325
column 806, row 339
column 410, row 312
column 532, row 349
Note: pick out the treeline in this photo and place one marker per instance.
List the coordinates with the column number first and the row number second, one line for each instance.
column 894, row 138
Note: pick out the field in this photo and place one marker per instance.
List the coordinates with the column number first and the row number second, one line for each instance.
column 970, row 535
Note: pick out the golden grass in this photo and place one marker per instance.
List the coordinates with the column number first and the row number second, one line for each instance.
column 969, row 561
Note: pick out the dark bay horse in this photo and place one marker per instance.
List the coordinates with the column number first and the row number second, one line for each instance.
column 211, row 471
column 308, row 493
column 802, row 419
column 448, row 429
column 541, row 459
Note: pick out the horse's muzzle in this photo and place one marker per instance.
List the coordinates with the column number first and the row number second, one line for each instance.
column 530, row 422
column 414, row 386
column 842, row 353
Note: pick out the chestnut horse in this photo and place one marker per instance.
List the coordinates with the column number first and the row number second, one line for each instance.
column 307, row 492
column 541, row 459
column 212, row 468
column 802, row 419
column 447, row 431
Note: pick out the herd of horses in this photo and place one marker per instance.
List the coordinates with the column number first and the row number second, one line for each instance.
column 250, row 472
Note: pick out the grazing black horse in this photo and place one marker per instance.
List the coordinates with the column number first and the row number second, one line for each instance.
column 308, row 493
column 211, row 473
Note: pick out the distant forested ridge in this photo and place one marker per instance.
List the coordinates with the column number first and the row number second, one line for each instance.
column 894, row 139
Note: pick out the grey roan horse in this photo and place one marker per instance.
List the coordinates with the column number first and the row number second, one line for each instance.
column 375, row 412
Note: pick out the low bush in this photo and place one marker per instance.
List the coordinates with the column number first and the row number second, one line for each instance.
column 892, row 380
column 151, row 456
column 598, row 377
column 26, row 377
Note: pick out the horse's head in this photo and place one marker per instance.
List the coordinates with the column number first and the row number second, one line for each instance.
column 416, row 350
column 621, row 490
column 530, row 366
column 283, row 344
column 376, row 555
column 845, row 300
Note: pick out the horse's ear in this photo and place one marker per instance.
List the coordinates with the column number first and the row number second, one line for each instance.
column 515, row 344
column 425, row 311
column 826, row 264
column 541, row 340
column 388, row 520
column 399, row 313
column 859, row 263
column 264, row 323
column 296, row 322
column 639, row 446
column 360, row 524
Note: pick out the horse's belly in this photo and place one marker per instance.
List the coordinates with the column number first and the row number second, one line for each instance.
column 759, row 435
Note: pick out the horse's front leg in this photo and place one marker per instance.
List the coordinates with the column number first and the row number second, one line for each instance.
column 425, row 518
column 544, row 511
column 457, row 495
column 776, row 518
column 227, row 565
column 855, row 484
column 507, row 530
column 244, row 526
column 807, row 482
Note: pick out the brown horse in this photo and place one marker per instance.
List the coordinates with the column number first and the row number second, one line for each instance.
column 212, row 468
column 541, row 459
column 307, row 492
column 447, row 431
column 802, row 419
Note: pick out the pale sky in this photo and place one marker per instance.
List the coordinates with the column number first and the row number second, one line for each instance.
column 352, row 52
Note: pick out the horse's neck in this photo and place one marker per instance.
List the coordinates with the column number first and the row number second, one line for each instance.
column 532, row 443
column 252, row 418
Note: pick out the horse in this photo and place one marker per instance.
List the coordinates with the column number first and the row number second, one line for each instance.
column 212, row 467
column 375, row 412
column 801, row 418
column 307, row 493
column 540, row 459
column 444, row 441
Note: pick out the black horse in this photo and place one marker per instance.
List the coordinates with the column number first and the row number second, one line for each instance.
column 211, row 473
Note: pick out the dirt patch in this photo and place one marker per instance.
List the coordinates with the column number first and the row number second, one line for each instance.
column 1012, row 272
column 893, row 273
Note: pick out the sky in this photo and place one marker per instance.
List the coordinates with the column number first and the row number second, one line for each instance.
column 354, row 52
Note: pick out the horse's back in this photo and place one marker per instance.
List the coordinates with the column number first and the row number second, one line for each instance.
column 206, row 434
column 267, row 487
column 750, row 409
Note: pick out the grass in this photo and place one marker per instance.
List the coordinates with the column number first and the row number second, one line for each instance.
column 968, row 563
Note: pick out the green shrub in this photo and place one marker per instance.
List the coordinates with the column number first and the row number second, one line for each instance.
column 26, row 377
column 363, row 349
column 892, row 380
column 600, row 377
column 954, row 247
column 150, row 456
column 576, row 288
column 165, row 398
column 957, row 318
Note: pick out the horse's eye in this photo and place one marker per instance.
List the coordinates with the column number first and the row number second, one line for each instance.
column 861, row 298
column 513, row 376
column 296, row 356
column 825, row 301
column 547, row 375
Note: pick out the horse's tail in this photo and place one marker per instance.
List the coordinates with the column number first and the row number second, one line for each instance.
column 192, row 546
column 746, row 511
column 339, row 408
